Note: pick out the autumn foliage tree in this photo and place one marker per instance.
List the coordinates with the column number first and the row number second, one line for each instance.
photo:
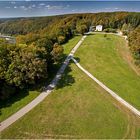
column 57, row 52
column 21, row 65
column 134, row 43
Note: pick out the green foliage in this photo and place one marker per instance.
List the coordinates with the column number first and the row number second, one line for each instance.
column 134, row 43
column 21, row 65
column 61, row 39
column 110, row 30
column 6, row 90
column 67, row 24
column 81, row 27
column 57, row 52
column 126, row 28
column 38, row 41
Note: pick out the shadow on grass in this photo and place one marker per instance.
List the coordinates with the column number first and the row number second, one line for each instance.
column 66, row 80
column 77, row 59
column 91, row 34
column 16, row 97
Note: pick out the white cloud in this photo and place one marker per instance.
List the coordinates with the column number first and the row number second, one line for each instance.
column 42, row 4
column 8, row 7
column 30, row 7
column 22, row 7
column 13, row 2
column 54, row 7
column 33, row 5
column 107, row 8
column 74, row 10
column 47, row 6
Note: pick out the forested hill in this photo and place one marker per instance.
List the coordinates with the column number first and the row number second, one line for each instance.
column 16, row 26
column 110, row 20
column 38, row 44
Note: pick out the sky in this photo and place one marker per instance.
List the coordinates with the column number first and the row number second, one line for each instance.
column 29, row 8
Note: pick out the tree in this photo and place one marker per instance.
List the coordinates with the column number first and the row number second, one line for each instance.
column 81, row 27
column 57, row 52
column 126, row 28
column 134, row 43
column 23, row 64
column 61, row 39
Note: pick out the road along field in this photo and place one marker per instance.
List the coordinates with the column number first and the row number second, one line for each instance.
column 4, row 124
column 78, row 107
column 108, row 59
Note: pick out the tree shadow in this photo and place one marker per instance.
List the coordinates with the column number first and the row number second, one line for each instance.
column 77, row 59
column 90, row 34
column 14, row 98
column 66, row 79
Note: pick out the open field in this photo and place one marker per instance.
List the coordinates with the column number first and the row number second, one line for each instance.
column 71, row 43
column 78, row 108
column 108, row 59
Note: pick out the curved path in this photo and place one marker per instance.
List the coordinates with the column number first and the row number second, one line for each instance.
column 44, row 94
column 113, row 94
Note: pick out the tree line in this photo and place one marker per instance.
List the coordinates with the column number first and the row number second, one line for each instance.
column 39, row 44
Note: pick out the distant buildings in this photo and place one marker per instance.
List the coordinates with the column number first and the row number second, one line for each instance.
column 10, row 39
column 99, row 28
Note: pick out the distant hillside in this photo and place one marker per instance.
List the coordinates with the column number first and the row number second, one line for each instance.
column 25, row 25
column 39, row 42
column 109, row 20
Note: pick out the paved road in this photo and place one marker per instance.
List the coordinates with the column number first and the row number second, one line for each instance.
column 44, row 94
column 118, row 34
column 113, row 94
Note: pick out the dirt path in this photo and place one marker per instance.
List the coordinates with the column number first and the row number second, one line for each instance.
column 44, row 94
column 113, row 94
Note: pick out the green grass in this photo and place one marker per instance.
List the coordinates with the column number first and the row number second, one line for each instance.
column 71, row 43
column 15, row 103
column 78, row 108
column 101, row 56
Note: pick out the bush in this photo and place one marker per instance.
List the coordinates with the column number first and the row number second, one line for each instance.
column 110, row 30
column 6, row 91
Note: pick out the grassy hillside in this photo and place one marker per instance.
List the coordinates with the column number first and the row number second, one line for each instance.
column 15, row 103
column 77, row 108
column 106, row 59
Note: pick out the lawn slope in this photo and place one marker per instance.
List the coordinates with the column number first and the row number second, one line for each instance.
column 78, row 108
column 102, row 56
column 11, row 106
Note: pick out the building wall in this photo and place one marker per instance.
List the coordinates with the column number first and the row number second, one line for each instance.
column 99, row 28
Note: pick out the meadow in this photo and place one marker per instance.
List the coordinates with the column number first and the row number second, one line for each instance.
column 109, row 60
column 78, row 107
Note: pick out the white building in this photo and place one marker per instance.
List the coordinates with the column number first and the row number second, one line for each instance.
column 99, row 28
